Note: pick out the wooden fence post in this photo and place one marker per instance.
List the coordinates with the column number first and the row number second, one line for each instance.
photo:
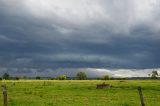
column 5, row 99
column 141, row 96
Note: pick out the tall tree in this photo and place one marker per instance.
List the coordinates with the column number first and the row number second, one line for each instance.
column 105, row 77
column 6, row 76
column 81, row 76
column 154, row 75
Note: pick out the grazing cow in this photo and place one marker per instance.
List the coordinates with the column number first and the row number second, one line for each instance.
column 103, row 85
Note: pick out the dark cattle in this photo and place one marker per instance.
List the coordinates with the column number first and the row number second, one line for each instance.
column 103, row 85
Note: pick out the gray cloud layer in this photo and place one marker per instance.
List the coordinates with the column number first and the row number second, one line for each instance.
column 80, row 34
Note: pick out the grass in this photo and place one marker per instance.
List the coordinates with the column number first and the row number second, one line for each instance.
column 80, row 93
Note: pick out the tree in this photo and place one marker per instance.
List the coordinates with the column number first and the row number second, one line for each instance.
column 105, row 77
column 154, row 75
column 17, row 78
column 5, row 76
column 38, row 77
column 81, row 76
column 62, row 77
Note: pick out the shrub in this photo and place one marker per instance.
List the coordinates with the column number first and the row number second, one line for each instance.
column 62, row 77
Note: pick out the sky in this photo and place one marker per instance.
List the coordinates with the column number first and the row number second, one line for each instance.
column 60, row 36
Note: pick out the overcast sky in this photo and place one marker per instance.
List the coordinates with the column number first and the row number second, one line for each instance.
column 99, row 34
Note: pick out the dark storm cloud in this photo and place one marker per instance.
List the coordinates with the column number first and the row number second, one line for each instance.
column 97, row 34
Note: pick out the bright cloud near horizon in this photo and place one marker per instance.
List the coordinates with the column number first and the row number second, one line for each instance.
column 80, row 34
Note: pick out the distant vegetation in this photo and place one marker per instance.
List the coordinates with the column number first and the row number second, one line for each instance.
column 105, row 77
column 81, row 76
column 17, row 78
column 154, row 75
column 38, row 77
column 6, row 76
column 62, row 77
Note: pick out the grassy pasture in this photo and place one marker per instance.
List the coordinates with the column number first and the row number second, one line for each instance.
column 80, row 93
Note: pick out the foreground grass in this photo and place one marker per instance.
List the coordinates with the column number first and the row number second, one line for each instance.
column 80, row 93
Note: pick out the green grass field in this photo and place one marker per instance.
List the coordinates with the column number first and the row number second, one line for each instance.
column 80, row 93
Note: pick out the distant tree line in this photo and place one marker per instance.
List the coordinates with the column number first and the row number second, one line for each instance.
column 79, row 76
